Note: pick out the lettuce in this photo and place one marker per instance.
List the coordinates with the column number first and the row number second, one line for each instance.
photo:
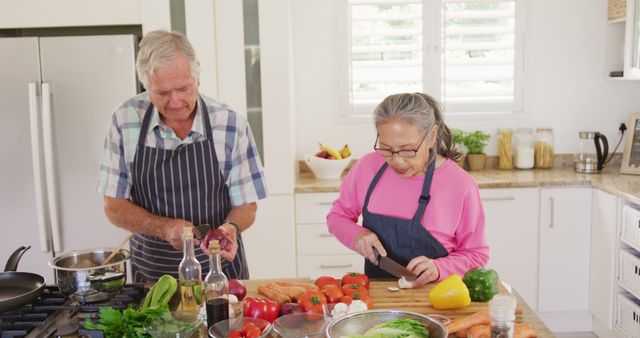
column 397, row 328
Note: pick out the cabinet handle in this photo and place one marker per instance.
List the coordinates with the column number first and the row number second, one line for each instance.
column 499, row 198
column 325, row 203
column 551, row 216
column 639, row 224
column 336, row 266
column 326, row 235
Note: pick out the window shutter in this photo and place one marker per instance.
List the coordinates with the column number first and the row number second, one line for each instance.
column 479, row 55
column 385, row 48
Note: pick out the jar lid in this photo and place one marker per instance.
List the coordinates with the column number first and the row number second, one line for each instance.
column 524, row 130
column 545, row 129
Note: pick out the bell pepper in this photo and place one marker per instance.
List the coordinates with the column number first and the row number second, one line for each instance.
column 450, row 293
column 482, row 284
column 262, row 308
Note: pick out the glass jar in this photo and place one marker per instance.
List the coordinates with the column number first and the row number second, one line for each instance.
column 502, row 314
column 523, row 148
column 505, row 152
column 544, row 148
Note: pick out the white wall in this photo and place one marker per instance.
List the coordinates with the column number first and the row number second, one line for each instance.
column 565, row 88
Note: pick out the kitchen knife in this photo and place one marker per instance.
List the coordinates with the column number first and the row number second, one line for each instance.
column 203, row 229
column 389, row 265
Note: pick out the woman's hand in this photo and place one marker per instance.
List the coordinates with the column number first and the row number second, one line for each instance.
column 425, row 268
column 365, row 242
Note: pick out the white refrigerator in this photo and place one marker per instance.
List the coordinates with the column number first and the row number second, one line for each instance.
column 56, row 98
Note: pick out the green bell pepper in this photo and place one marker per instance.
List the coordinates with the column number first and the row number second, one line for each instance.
column 482, row 284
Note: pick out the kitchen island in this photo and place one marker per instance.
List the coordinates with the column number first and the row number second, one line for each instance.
column 416, row 300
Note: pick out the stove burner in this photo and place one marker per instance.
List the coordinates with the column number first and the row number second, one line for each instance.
column 53, row 313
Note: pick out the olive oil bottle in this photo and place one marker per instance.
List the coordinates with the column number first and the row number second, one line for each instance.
column 190, row 276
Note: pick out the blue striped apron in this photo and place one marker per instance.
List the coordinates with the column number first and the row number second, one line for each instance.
column 403, row 239
column 185, row 183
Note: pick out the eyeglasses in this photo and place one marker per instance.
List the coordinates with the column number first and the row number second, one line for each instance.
column 405, row 153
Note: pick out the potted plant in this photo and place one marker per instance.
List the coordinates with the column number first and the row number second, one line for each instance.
column 457, row 137
column 475, row 143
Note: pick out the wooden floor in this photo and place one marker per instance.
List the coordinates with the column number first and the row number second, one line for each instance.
column 575, row 335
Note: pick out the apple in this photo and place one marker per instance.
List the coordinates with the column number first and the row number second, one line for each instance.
column 237, row 288
column 322, row 154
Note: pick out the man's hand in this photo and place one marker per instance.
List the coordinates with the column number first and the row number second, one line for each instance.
column 172, row 232
column 425, row 268
column 229, row 252
column 365, row 242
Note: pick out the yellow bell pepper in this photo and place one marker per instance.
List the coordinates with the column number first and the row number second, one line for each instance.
column 450, row 293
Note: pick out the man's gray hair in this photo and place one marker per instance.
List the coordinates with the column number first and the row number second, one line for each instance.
column 158, row 48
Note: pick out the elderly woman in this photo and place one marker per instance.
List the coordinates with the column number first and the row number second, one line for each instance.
column 418, row 206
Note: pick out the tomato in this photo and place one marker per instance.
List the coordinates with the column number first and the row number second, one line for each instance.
column 324, row 280
column 356, row 278
column 236, row 334
column 333, row 293
column 251, row 330
column 358, row 296
column 263, row 308
column 349, row 289
column 312, row 301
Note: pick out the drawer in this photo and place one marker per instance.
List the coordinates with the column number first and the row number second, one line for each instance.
column 313, row 208
column 315, row 239
column 629, row 275
column 630, row 232
column 628, row 315
column 329, row 265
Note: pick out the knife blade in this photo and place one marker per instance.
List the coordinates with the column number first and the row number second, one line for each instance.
column 203, row 229
column 389, row 265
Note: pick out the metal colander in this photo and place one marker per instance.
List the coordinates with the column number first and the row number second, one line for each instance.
column 360, row 322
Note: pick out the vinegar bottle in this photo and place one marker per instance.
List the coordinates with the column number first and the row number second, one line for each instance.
column 216, row 287
column 190, row 276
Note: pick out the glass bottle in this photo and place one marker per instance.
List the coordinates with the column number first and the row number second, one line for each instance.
column 190, row 276
column 505, row 152
column 502, row 310
column 523, row 145
column 216, row 287
column 544, row 148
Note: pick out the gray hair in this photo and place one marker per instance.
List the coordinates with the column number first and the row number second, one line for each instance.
column 421, row 111
column 159, row 48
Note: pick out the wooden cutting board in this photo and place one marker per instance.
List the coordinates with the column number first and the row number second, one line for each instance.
column 414, row 300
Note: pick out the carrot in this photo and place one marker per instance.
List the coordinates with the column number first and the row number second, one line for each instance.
column 524, row 330
column 478, row 318
column 479, row 331
column 293, row 292
column 274, row 295
column 307, row 286
column 462, row 333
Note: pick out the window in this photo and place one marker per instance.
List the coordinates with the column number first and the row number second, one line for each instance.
column 466, row 53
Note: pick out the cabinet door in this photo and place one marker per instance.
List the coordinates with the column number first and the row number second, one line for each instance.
column 511, row 221
column 604, row 212
column 565, row 236
column 270, row 241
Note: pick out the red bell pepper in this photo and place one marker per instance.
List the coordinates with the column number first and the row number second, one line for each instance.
column 263, row 308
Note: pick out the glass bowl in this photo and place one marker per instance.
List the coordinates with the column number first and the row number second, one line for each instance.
column 222, row 328
column 181, row 325
column 301, row 324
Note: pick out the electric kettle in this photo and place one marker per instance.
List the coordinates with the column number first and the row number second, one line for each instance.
column 592, row 152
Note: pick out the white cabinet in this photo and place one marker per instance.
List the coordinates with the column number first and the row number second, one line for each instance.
column 565, row 236
column 319, row 253
column 270, row 241
column 604, row 216
column 511, row 223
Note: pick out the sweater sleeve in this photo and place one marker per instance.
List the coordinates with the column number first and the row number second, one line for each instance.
column 343, row 216
column 471, row 250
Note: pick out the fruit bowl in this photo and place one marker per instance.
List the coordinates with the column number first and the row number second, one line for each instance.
column 301, row 324
column 326, row 169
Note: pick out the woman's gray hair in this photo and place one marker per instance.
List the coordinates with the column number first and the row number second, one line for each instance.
column 421, row 111
column 159, row 48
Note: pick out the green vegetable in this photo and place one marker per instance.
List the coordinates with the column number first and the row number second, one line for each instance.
column 482, row 284
column 397, row 328
column 161, row 292
column 476, row 141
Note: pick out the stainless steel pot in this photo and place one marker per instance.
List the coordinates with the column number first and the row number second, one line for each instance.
column 82, row 276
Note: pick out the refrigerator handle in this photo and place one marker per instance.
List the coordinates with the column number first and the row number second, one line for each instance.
column 49, row 167
column 38, row 177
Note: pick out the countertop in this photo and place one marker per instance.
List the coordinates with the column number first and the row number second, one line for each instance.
column 610, row 180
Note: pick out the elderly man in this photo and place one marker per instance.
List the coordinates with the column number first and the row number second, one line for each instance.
column 174, row 158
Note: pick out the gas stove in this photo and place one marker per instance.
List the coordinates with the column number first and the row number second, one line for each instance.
column 55, row 315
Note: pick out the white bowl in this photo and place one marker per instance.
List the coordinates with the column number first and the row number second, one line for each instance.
column 324, row 168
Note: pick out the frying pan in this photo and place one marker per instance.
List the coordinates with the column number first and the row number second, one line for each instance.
column 18, row 288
